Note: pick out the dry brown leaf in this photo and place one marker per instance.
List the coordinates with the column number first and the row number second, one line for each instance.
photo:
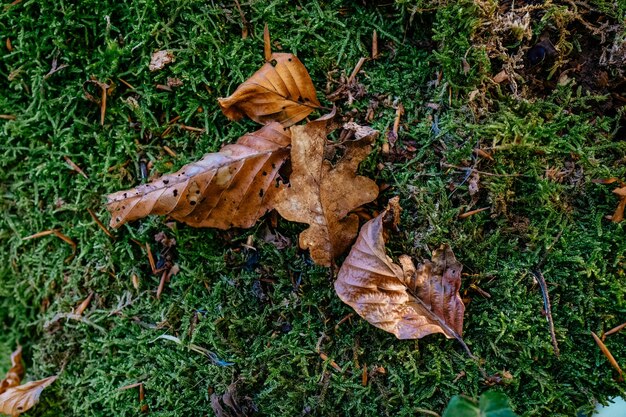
column 17, row 400
column 15, row 374
column 323, row 195
column 230, row 188
column 160, row 59
column 281, row 91
column 406, row 301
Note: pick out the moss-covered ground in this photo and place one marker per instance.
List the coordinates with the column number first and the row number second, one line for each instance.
column 265, row 314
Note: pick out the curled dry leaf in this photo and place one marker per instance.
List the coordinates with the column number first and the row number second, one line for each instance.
column 281, row 91
column 407, row 301
column 230, row 188
column 160, row 59
column 323, row 195
column 17, row 400
column 15, row 374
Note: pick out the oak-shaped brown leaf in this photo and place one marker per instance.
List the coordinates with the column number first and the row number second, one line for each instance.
column 406, row 301
column 323, row 195
column 16, row 372
column 280, row 91
column 230, row 188
column 17, row 400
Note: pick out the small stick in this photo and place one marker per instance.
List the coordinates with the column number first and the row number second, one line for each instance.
column 472, row 212
column 75, row 167
column 546, row 305
column 7, row 117
column 144, row 407
column 613, row 330
column 374, row 44
column 151, row 259
column 356, row 69
column 332, row 363
column 83, row 305
column 267, row 46
column 99, row 223
column 609, row 356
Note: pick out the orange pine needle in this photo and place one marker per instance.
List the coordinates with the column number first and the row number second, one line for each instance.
column 7, row 117
column 191, row 128
column 99, row 223
column 608, row 355
column 126, row 83
column 356, row 69
column 364, row 375
column 151, row 259
column 472, row 212
column 169, row 151
column 332, row 363
column 161, row 285
column 267, row 46
column 614, row 330
column 374, row 44
column 74, row 166
column 57, row 234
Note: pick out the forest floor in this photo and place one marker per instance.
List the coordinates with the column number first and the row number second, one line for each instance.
column 514, row 107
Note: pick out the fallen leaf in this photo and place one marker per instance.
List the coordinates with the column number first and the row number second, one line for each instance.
column 160, row 59
column 15, row 374
column 323, row 195
column 230, row 188
column 281, row 91
column 17, row 400
column 406, row 301
column 607, row 353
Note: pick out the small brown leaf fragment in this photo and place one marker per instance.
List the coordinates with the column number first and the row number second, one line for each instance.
column 15, row 373
column 83, row 305
column 174, row 82
column 483, row 154
column 609, row 356
column 500, row 77
column 9, row 46
column 17, row 400
column 281, row 91
column 323, row 195
column 160, row 59
column 409, row 303
column 230, row 188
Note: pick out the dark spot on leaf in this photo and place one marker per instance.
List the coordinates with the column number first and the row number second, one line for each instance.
column 175, row 192
column 193, row 203
column 273, row 62
column 261, row 193
column 166, row 182
column 264, row 173
column 289, row 59
column 300, row 100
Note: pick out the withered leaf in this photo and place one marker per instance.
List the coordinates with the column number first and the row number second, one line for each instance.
column 17, row 400
column 230, row 188
column 15, row 374
column 160, row 59
column 323, row 195
column 406, row 301
column 281, row 91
